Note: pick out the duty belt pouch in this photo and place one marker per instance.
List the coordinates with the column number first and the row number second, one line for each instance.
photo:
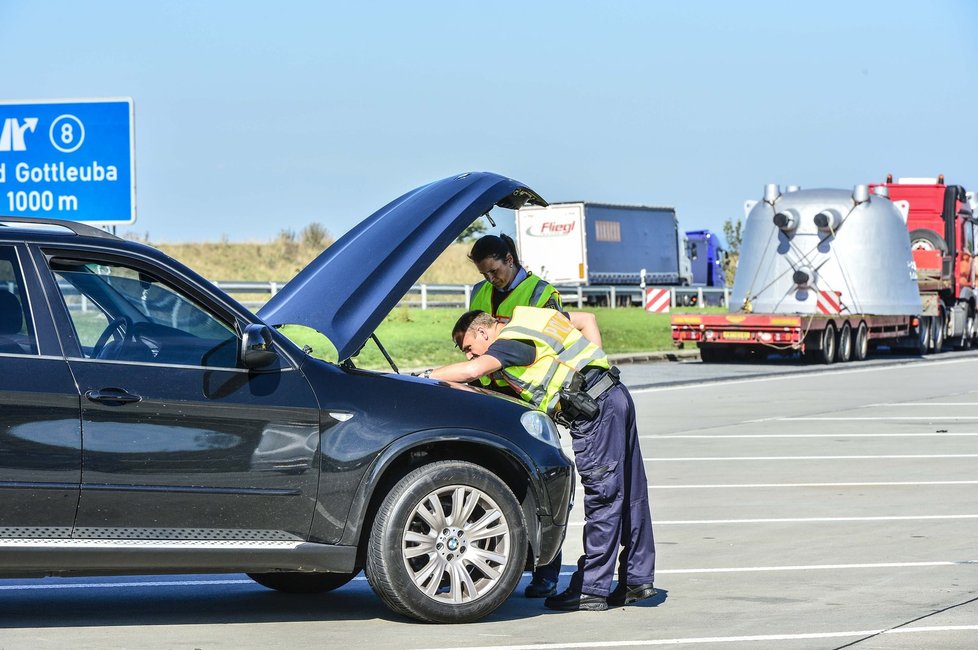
column 576, row 403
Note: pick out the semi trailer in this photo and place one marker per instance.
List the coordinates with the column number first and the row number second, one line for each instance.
column 828, row 273
column 584, row 243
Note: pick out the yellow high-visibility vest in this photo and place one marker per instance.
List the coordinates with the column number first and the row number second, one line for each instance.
column 561, row 351
column 531, row 292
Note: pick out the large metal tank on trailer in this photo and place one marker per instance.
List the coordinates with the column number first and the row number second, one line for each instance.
column 825, row 251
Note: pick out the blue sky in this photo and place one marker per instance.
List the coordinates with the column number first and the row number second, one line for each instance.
column 257, row 117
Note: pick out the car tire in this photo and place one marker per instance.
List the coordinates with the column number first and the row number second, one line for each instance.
column 843, row 349
column 826, row 354
column 712, row 353
column 928, row 240
column 924, row 336
column 938, row 326
column 302, row 583
column 430, row 562
column 860, row 349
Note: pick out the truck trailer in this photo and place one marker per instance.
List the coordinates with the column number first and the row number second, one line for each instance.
column 584, row 243
column 828, row 273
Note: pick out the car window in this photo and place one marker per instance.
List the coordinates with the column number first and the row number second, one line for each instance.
column 122, row 313
column 16, row 329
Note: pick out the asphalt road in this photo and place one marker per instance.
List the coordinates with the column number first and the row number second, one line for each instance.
column 795, row 507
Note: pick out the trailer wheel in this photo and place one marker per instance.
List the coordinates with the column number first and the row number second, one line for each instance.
column 860, row 349
column 924, row 336
column 844, row 347
column 974, row 329
column 826, row 354
column 712, row 353
column 937, row 329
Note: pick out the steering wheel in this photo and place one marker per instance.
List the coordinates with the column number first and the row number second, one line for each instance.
column 121, row 325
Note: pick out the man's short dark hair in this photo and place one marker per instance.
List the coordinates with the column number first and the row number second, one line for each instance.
column 470, row 320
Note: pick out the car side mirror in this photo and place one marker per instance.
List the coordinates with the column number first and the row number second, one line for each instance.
column 256, row 346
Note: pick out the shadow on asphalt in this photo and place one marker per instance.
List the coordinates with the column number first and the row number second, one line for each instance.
column 56, row 603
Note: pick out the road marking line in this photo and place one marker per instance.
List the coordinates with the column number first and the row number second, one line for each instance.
column 727, row 486
column 802, row 485
column 809, row 567
column 107, row 585
column 723, row 639
column 922, row 404
column 802, row 435
column 892, row 456
column 807, row 376
column 816, row 567
column 798, row 520
column 881, row 417
column 194, row 583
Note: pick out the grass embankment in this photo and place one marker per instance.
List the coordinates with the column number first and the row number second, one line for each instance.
column 281, row 259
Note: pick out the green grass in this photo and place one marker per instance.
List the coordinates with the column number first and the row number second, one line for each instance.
column 418, row 338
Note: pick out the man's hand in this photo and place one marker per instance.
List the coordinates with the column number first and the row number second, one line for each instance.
column 466, row 371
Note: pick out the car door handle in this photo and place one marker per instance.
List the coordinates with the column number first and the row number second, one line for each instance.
column 112, row 396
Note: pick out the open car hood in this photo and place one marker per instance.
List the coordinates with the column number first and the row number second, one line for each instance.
column 348, row 290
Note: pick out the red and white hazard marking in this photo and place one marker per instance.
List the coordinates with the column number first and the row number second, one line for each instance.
column 657, row 300
column 829, row 302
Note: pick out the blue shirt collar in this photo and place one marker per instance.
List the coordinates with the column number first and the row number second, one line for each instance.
column 520, row 276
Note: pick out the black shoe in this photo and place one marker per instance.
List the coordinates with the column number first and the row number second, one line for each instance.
column 572, row 601
column 626, row 595
column 540, row 588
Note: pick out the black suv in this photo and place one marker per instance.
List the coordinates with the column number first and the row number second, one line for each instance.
column 151, row 424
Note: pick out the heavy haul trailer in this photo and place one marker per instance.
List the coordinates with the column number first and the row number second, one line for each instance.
column 941, row 222
column 822, row 338
column 827, row 273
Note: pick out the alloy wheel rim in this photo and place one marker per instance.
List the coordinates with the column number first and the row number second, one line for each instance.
column 456, row 544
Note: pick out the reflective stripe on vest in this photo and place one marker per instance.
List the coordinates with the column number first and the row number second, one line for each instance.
column 561, row 351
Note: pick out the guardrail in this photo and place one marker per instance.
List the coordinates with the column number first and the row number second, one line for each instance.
column 459, row 296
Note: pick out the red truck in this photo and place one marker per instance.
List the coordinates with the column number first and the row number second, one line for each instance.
column 941, row 222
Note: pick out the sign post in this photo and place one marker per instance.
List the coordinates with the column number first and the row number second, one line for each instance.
column 68, row 159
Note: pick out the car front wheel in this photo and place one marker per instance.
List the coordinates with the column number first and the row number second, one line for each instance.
column 448, row 544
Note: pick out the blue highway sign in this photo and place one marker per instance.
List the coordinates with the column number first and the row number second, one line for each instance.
column 68, row 159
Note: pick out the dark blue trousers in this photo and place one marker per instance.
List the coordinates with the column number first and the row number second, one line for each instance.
column 550, row 571
column 617, row 518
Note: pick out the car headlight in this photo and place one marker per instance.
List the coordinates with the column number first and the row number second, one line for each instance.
column 541, row 427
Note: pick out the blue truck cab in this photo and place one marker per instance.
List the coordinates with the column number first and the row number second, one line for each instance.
column 708, row 258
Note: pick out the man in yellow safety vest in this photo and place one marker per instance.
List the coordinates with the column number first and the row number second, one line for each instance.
column 550, row 361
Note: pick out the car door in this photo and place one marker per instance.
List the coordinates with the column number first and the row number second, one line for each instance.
column 179, row 441
column 40, row 430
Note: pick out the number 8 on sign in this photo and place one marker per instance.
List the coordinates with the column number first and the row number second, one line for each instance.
column 67, row 133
